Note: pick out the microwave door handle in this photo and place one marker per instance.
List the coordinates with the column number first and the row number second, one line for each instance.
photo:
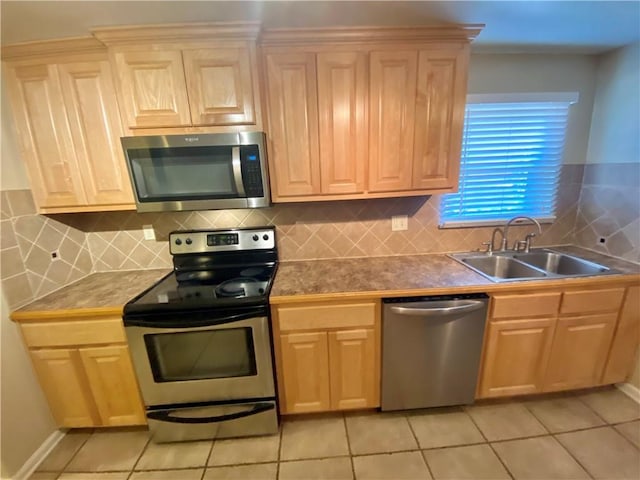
column 237, row 170
column 165, row 416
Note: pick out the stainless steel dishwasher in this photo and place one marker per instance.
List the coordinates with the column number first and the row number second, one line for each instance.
column 431, row 350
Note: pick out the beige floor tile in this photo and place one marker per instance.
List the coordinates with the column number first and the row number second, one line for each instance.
column 564, row 414
column 473, row 462
column 326, row 469
column 314, row 438
column 111, row 450
column 505, row 421
column 612, row 405
column 391, row 466
column 444, row 429
column 94, row 476
column 192, row 474
column 631, row 431
column 379, row 433
column 258, row 471
column 64, row 451
column 536, row 458
column 603, row 452
column 44, row 476
column 164, row 456
column 245, row 450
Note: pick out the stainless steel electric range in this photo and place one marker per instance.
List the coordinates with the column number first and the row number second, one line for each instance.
column 200, row 338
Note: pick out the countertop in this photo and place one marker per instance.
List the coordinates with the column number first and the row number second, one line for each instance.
column 106, row 293
column 102, row 293
column 410, row 275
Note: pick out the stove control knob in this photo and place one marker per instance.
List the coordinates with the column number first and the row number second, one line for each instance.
column 178, row 241
column 265, row 237
column 188, row 241
column 255, row 238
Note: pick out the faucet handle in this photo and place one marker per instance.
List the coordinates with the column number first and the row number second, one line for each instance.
column 489, row 246
column 521, row 245
column 527, row 241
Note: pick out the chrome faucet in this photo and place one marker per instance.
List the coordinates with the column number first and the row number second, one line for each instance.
column 526, row 243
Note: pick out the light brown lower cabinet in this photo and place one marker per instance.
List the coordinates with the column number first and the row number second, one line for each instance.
column 86, row 382
column 327, row 356
column 583, row 338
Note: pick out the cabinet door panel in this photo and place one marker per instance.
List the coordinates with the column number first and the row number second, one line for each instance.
column 580, row 349
column 305, row 368
column 515, row 357
column 43, row 128
column 342, row 103
column 392, row 103
column 96, row 130
column 220, row 86
column 354, row 371
column 293, row 124
column 62, row 379
column 113, row 384
column 442, row 80
column 152, row 88
column 626, row 340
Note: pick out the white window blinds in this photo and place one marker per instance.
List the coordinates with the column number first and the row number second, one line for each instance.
column 511, row 159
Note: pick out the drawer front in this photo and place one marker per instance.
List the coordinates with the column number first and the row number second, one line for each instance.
column 588, row 301
column 58, row 334
column 525, row 305
column 314, row 317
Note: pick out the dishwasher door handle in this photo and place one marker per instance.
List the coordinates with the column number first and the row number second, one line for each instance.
column 468, row 306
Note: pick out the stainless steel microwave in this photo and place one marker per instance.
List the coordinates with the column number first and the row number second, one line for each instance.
column 198, row 172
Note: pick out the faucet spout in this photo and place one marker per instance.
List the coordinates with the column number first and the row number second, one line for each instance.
column 511, row 220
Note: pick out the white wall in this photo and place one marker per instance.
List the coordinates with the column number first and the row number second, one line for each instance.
column 13, row 175
column 26, row 418
column 522, row 73
column 615, row 125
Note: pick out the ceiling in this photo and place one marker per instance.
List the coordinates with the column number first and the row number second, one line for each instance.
column 543, row 26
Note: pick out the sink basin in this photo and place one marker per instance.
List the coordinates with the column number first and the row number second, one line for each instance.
column 535, row 265
column 561, row 264
column 502, row 267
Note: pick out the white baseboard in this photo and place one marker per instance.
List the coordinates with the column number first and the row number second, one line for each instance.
column 39, row 455
column 631, row 391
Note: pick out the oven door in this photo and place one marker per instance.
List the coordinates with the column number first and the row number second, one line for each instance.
column 227, row 360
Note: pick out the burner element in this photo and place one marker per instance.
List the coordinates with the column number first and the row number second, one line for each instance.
column 240, row 287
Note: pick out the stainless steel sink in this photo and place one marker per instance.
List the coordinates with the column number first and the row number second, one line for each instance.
column 502, row 267
column 561, row 264
column 535, row 265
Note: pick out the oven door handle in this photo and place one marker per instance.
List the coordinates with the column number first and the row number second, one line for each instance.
column 194, row 321
column 165, row 416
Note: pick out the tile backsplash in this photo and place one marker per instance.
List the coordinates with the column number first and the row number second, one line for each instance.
column 605, row 205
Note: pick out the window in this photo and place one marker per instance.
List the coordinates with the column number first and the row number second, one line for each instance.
column 511, row 157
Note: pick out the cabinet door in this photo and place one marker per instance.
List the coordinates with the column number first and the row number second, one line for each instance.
column 579, row 352
column 43, row 128
column 293, row 124
column 305, row 368
column 392, row 103
column 219, row 86
column 62, row 379
column 626, row 339
column 152, row 88
column 440, row 102
column 342, row 104
column 354, row 369
column 96, row 129
column 516, row 355
column 113, row 384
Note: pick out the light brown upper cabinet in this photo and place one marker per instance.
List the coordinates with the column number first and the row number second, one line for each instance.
column 365, row 112
column 183, row 76
column 68, row 125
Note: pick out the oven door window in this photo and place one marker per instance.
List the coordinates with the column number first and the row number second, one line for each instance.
column 205, row 354
column 183, row 173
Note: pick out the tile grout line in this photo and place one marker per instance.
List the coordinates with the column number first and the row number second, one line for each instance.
column 415, row 437
column 280, row 433
column 506, row 469
column 572, row 456
column 208, row 459
column 346, row 432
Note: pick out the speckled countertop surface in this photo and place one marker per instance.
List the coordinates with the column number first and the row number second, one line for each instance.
column 383, row 276
column 97, row 291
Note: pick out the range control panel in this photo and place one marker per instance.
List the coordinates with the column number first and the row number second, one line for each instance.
column 201, row 241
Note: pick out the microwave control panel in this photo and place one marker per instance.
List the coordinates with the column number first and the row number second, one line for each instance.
column 251, row 170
